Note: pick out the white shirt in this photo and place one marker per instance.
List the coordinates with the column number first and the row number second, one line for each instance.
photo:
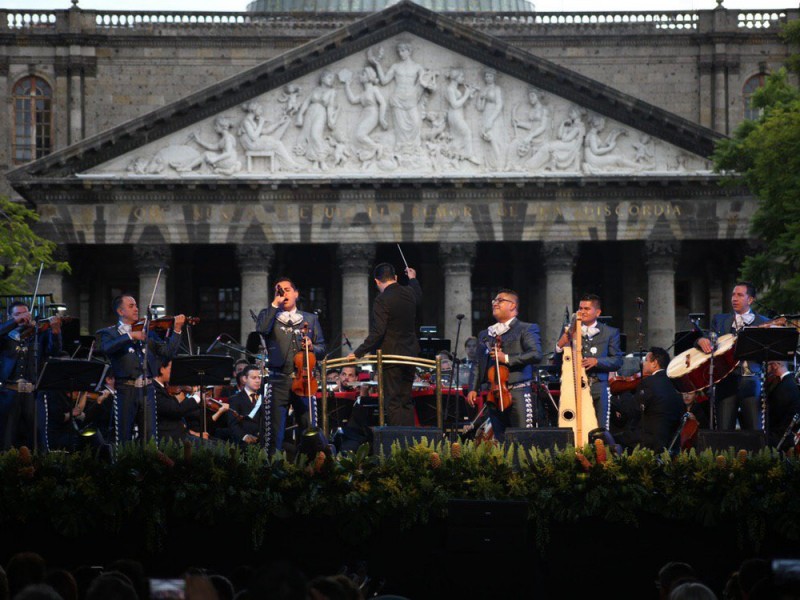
column 499, row 329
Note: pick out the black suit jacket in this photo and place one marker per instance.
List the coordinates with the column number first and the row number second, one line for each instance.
column 171, row 414
column 662, row 409
column 125, row 353
column 240, row 403
column 394, row 316
column 783, row 403
column 521, row 342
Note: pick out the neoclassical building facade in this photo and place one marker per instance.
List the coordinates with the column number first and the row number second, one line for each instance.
column 555, row 154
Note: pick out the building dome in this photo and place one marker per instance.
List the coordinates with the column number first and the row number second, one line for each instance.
column 365, row 6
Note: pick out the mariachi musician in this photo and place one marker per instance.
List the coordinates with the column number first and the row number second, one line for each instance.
column 520, row 348
column 18, row 373
column 124, row 346
column 738, row 393
column 601, row 354
column 283, row 326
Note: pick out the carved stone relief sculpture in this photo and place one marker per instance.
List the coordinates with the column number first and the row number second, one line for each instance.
column 316, row 117
column 364, row 116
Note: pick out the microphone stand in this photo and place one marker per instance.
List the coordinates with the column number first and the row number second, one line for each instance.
column 34, row 392
column 712, row 391
column 144, row 365
column 455, row 374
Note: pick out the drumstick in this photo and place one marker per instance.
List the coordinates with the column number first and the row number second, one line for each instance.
column 402, row 255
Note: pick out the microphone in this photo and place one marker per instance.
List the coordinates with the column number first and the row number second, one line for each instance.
column 253, row 316
column 347, row 342
column 279, row 290
column 639, row 301
column 214, row 343
column 459, row 316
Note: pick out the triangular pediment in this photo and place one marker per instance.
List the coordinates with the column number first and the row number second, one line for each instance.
column 402, row 94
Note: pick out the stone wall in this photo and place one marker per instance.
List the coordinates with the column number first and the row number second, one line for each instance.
column 111, row 67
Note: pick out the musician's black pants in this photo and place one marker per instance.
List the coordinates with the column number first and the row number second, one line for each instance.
column 397, row 380
column 130, row 409
column 519, row 414
column 282, row 398
column 737, row 393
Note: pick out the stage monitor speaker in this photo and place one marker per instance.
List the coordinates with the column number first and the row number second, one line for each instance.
column 383, row 437
column 543, row 438
column 718, row 441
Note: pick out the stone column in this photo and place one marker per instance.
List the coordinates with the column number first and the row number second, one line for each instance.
column 148, row 260
column 559, row 262
column 457, row 261
column 75, row 104
column 53, row 281
column 660, row 260
column 355, row 261
column 255, row 262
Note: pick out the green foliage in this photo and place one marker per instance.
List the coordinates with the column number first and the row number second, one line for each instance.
column 21, row 249
column 149, row 491
column 766, row 155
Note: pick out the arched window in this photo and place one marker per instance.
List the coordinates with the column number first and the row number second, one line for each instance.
column 33, row 119
column 750, row 87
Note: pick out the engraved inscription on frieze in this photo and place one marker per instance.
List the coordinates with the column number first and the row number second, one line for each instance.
column 405, row 108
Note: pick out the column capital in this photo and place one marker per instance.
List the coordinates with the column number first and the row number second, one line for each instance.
column 559, row 256
column 661, row 254
column 457, row 258
column 255, row 257
column 355, row 258
column 149, row 258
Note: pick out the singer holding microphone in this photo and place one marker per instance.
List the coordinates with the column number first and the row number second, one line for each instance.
column 282, row 324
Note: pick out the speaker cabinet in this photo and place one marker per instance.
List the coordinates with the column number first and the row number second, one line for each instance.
column 383, row 437
column 751, row 441
column 543, row 438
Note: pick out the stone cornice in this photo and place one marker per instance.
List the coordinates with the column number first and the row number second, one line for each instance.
column 401, row 18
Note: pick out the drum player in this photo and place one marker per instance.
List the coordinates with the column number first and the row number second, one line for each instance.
column 738, row 394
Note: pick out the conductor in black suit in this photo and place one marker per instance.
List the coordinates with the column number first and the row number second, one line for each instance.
column 783, row 399
column 521, row 348
column 393, row 330
column 661, row 405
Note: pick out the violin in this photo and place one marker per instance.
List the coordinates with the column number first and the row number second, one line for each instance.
column 215, row 404
column 499, row 394
column 618, row 384
column 26, row 330
column 304, row 383
column 162, row 324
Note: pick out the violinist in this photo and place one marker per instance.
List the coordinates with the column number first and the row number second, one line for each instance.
column 283, row 326
column 520, row 349
column 124, row 345
column 249, row 404
column 661, row 405
column 601, row 354
column 18, row 374
column 173, row 407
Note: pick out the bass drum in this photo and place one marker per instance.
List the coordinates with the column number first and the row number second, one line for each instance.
column 690, row 370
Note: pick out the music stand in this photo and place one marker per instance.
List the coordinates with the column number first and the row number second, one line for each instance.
column 684, row 340
column 68, row 375
column 762, row 344
column 201, row 370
